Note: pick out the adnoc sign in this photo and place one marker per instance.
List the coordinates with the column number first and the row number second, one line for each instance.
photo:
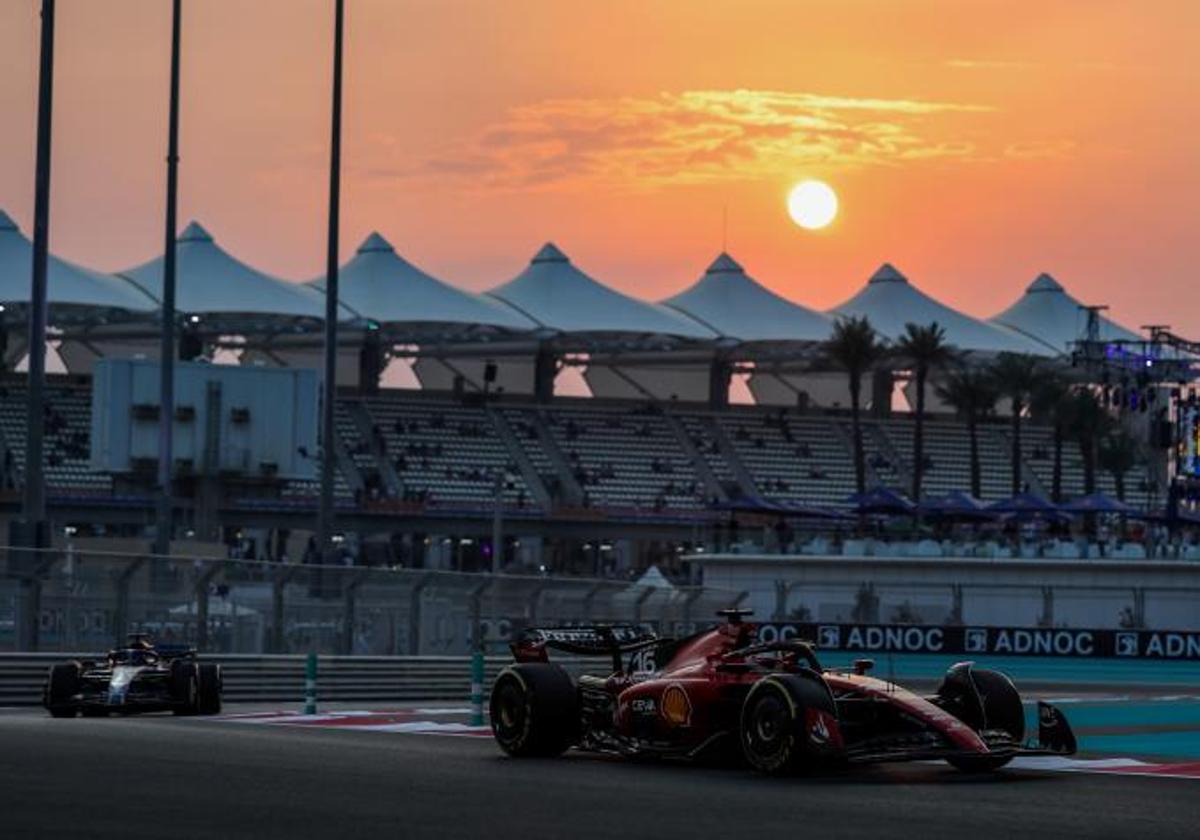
column 976, row 641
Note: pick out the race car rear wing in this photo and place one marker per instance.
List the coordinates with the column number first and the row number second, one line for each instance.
column 533, row 644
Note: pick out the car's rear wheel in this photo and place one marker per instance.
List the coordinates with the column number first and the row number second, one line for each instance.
column 93, row 711
column 534, row 710
column 772, row 728
column 208, row 697
column 185, row 689
column 62, row 688
column 1002, row 709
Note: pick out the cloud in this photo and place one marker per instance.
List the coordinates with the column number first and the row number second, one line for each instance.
column 700, row 136
column 988, row 64
column 1032, row 149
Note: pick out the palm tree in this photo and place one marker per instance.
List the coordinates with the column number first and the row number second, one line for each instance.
column 1090, row 422
column 1016, row 374
column 972, row 393
column 1119, row 453
column 923, row 349
column 855, row 348
column 1052, row 401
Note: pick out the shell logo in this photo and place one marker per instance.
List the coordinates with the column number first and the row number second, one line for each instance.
column 676, row 707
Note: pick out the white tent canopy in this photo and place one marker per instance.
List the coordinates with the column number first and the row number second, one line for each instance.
column 890, row 302
column 562, row 298
column 379, row 284
column 210, row 282
column 735, row 305
column 67, row 285
column 1046, row 313
column 653, row 576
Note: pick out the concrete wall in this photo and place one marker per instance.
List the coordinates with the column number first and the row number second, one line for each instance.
column 1156, row 594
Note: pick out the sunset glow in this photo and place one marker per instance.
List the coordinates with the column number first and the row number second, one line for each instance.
column 976, row 146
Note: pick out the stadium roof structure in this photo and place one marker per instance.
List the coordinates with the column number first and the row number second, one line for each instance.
column 379, row 285
column 74, row 294
column 734, row 305
column 1049, row 315
column 890, row 302
column 219, row 288
column 565, row 301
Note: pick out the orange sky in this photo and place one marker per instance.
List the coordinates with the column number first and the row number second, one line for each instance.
column 973, row 143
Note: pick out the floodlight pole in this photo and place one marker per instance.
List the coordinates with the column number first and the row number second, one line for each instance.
column 166, row 361
column 325, row 511
column 35, row 480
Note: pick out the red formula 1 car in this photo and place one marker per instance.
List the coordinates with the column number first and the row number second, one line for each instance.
column 722, row 692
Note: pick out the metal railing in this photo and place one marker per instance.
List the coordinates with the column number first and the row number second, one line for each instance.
column 65, row 600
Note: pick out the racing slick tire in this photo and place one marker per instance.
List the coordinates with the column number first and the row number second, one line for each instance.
column 774, row 725
column 208, row 695
column 1002, row 709
column 93, row 711
column 61, row 687
column 185, row 688
column 534, row 710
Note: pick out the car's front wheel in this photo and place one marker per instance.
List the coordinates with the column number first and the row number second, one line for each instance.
column 1002, row 710
column 185, row 688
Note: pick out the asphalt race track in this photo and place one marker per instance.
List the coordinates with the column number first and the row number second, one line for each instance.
column 166, row 777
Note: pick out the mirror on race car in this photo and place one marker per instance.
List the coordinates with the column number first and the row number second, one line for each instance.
column 734, row 614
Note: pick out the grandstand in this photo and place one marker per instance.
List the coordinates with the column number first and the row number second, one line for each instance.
column 608, row 455
column 653, row 455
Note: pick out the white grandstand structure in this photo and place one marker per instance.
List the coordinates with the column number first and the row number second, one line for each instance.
column 657, row 445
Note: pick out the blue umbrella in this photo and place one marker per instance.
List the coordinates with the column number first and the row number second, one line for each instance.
column 1024, row 504
column 1099, row 503
column 1028, row 506
column 957, row 505
column 882, row 500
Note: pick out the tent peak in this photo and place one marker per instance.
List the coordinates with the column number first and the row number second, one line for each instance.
column 6, row 222
column 550, row 253
column 1044, row 283
column 724, row 264
column 887, row 273
column 194, row 232
column 375, row 243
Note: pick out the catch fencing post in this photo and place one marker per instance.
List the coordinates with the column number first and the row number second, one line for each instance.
column 310, row 684
column 477, row 675
column 414, row 614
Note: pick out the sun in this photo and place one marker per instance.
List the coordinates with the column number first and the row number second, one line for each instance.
column 812, row 204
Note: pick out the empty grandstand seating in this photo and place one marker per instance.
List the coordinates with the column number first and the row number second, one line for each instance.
column 442, row 452
column 796, row 458
column 621, row 458
column 948, row 458
column 445, row 452
column 67, row 441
